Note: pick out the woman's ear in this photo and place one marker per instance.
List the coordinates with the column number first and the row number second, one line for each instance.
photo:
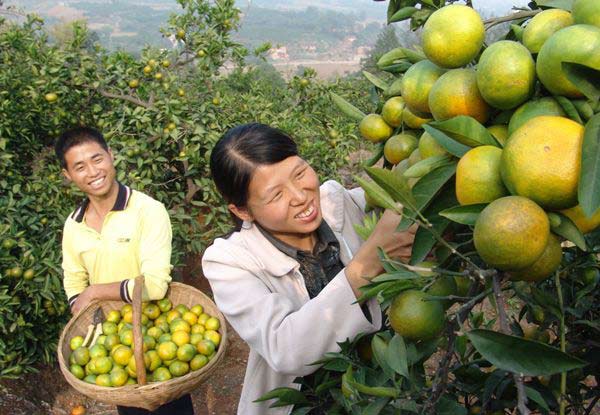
column 241, row 213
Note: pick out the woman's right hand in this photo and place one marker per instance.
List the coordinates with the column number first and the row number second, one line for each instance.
column 397, row 245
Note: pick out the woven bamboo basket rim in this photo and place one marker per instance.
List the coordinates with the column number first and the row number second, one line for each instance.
column 150, row 395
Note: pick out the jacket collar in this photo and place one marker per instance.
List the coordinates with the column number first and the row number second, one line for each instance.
column 275, row 261
column 120, row 204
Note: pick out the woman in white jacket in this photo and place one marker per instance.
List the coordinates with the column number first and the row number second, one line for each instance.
column 288, row 277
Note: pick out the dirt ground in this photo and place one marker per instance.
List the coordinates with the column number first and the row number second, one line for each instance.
column 47, row 392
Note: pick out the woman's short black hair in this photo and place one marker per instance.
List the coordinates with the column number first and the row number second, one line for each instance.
column 240, row 151
column 75, row 137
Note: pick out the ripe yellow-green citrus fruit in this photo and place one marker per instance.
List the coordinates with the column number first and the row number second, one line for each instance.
column 478, row 177
column 544, row 266
column 429, row 147
column 374, row 128
column 416, row 84
column 415, row 318
column 511, row 233
column 134, row 83
column 506, row 74
column 577, row 44
column 51, row 97
column 399, row 147
column 542, row 161
column 532, row 109
column 392, row 111
column 587, row 12
column 456, row 93
column 543, row 25
column 414, row 121
column 453, row 36
column 500, row 133
column 584, row 223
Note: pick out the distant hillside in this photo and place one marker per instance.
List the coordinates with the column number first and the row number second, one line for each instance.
column 333, row 30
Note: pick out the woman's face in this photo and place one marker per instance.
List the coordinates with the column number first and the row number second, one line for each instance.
column 284, row 199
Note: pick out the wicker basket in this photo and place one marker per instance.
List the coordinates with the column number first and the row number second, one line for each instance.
column 148, row 396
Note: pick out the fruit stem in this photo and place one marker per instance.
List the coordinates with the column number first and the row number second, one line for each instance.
column 563, row 375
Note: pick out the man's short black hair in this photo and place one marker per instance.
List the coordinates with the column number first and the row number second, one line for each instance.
column 74, row 137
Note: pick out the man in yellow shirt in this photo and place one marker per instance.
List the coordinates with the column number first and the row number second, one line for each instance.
column 115, row 235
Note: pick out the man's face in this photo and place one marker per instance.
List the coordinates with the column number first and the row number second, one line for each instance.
column 90, row 168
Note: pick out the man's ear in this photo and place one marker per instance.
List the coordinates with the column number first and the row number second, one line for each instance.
column 241, row 213
column 66, row 174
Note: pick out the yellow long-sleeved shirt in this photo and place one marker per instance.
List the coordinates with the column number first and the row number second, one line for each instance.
column 135, row 239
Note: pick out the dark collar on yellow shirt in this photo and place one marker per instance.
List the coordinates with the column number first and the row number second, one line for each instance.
column 120, row 204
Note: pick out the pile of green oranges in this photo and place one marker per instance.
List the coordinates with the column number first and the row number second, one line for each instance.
column 176, row 340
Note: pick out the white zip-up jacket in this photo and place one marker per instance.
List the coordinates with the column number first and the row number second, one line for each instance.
column 262, row 294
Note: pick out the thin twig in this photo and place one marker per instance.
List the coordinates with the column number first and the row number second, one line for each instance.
column 441, row 374
column 128, row 98
column 515, row 16
column 563, row 375
column 504, row 328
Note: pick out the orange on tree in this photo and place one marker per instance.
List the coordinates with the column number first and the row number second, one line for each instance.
column 544, row 266
column 578, row 44
column 542, row 161
column 584, row 223
column 511, row 233
column 478, row 177
column 134, row 83
column 399, row 147
column 429, row 147
column 415, row 317
column 51, row 97
column 506, row 74
column 499, row 132
column 453, row 36
column 543, row 25
column 374, row 128
column 456, row 93
column 416, row 84
column 532, row 109
column 586, row 12
column 392, row 111
column 414, row 121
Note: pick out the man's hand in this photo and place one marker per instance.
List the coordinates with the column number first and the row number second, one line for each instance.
column 109, row 291
column 86, row 297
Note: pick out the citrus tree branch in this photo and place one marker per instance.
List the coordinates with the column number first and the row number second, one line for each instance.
column 514, row 16
column 563, row 375
column 128, row 98
column 504, row 328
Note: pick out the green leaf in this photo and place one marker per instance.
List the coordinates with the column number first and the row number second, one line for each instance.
column 375, row 192
column 421, row 168
column 430, row 184
column 521, row 356
column 394, row 184
column 390, row 57
column 449, row 406
column 379, row 348
column 466, row 130
column 450, row 145
column 517, row 31
column 568, row 230
column 393, row 7
column 424, row 238
column 377, row 154
column 379, row 83
column 402, row 14
column 536, row 397
column 375, row 407
column 557, row 4
column 584, row 78
column 347, row 108
column 289, row 395
column 466, row 215
column 395, row 356
column 569, row 108
column 589, row 179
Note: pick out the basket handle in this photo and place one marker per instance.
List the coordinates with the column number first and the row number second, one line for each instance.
column 138, row 340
